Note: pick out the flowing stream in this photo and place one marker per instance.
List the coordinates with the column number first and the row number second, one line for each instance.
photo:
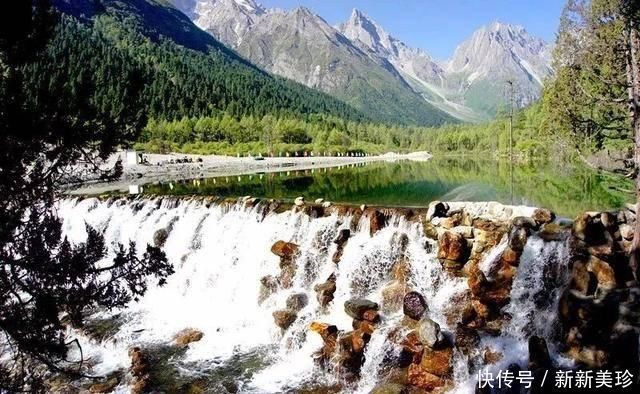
column 220, row 253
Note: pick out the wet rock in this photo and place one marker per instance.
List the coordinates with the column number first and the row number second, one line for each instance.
column 437, row 209
column 582, row 280
column 392, row 296
column 605, row 275
column 160, row 237
column 538, row 353
column 451, row 221
column 364, row 326
column 491, row 356
column 588, row 229
column 418, row 377
column 377, row 222
column 542, row 215
column 467, row 339
column 553, row 232
column 511, row 257
column 283, row 249
column 389, row 388
column 371, row 316
column 343, row 237
column 452, row 246
column 140, row 369
column 411, row 349
column 357, row 307
column 326, row 290
column 517, row 238
column 481, row 310
column 430, row 230
column 401, row 270
column 296, row 302
column 287, row 273
column 284, row 318
column 429, row 333
column 104, row 387
column 626, row 232
column 524, row 222
column 414, row 305
column 187, row 336
column 477, row 282
column 268, row 286
column 437, row 361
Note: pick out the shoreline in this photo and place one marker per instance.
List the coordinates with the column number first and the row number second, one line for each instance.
column 161, row 169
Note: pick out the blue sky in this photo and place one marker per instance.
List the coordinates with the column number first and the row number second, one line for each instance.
column 438, row 25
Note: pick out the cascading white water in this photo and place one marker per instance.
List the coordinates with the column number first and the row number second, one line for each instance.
column 221, row 252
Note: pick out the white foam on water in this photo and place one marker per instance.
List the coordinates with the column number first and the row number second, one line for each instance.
column 221, row 252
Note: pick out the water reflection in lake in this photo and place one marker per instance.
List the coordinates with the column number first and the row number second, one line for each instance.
column 566, row 189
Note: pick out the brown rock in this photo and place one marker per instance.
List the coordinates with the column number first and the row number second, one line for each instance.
column 582, row 280
column 437, row 361
column 517, row 238
column 187, row 336
column 357, row 307
column 418, row 377
column 467, row 339
column 477, row 282
column 364, row 326
column 104, row 387
column 326, row 290
column 371, row 315
column 491, row 356
column 296, row 302
column 452, row 246
column 430, row 230
column 604, row 273
column 343, row 237
column 452, row 221
column 284, row 318
column 392, row 296
column 377, row 222
column 285, row 250
column 542, row 215
column 481, row 309
column 401, row 270
column 389, row 388
column 511, row 257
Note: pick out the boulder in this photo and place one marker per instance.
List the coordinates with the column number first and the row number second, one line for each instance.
column 538, row 353
column 417, row 376
column 187, row 336
column 160, row 237
column 542, row 215
column 524, row 222
column 392, row 296
column 604, row 273
column 357, row 307
column 452, row 246
column 553, row 232
column 343, row 237
column 467, row 339
column 491, row 356
column 104, row 387
column 299, row 201
column 364, row 325
column 582, row 280
column 511, row 257
column 626, row 231
column 326, row 290
column 389, row 388
column 437, row 209
column 517, row 238
column 429, row 333
column 377, row 222
column 284, row 318
column 414, row 305
column 437, row 361
column 284, row 250
column 297, row 301
column 430, row 230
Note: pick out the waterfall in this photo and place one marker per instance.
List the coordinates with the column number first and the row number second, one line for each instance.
column 220, row 253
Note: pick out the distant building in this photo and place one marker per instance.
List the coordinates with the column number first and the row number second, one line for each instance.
column 133, row 158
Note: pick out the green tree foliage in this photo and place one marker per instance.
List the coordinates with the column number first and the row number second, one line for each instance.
column 45, row 135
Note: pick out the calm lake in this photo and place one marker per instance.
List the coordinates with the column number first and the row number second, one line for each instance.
column 568, row 190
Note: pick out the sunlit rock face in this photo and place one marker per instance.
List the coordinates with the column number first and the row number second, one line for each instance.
column 305, row 296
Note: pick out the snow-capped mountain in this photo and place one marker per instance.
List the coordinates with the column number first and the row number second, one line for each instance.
column 359, row 62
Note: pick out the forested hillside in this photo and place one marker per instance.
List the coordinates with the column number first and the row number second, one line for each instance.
column 149, row 55
column 585, row 108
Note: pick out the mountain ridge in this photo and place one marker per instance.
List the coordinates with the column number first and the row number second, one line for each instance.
column 469, row 86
